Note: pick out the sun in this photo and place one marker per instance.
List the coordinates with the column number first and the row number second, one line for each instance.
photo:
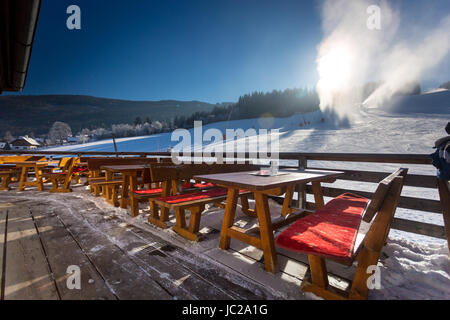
column 334, row 68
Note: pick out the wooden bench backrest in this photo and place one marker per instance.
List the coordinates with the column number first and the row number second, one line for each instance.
column 376, row 236
column 380, row 194
column 160, row 172
column 191, row 170
column 69, row 164
column 65, row 163
column 164, row 172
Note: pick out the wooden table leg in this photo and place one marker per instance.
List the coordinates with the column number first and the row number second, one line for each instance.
column 23, row 178
column 133, row 187
column 124, row 192
column 245, row 206
column 288, row 201
column 164, row 214
column 266, row 232
column 6, row 180
column 318, row 195
column 228, row 218
column 106, row 191
column 37, row 174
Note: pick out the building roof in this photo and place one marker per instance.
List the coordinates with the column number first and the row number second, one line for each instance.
column 18, row 21
column 29, row 140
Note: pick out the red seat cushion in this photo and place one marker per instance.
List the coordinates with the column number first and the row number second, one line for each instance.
column 148, row 191
column 195, row 196
column 329, row 232
column 187, row 185
column 190, row 185
column 204, row 185
column 79, row 169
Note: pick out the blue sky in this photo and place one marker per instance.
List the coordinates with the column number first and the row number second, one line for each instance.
column 212, row 51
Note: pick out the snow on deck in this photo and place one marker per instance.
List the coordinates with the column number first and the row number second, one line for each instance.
column 113, row 241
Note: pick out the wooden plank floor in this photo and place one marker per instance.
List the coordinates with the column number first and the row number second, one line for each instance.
column 39, row 242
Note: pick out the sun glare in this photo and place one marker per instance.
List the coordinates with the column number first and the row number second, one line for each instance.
column 334, row 68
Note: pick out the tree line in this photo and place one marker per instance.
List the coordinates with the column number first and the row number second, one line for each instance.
column 277, row 103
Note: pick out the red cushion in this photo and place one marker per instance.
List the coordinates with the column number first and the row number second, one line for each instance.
column 330, row 231
column 148, row 191
column 195, row 196
column 79, row 169
column 190, row 185
column 187, row 185
column 204, row 185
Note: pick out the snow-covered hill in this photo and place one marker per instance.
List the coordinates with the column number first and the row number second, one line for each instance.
column 431, row 102
column 368, row 130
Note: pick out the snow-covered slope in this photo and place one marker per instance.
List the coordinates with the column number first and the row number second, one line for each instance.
column 431, row 102
column 369, row 132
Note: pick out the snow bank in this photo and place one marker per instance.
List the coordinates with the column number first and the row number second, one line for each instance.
column 414, row 271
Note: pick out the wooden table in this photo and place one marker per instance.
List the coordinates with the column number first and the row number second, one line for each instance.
column 25, row 167
column 129, row 180
column 261, row 187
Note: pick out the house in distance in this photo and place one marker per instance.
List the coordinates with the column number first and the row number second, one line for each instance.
column 24, row 143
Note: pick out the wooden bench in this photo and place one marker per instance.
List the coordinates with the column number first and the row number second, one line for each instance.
column 155, row 188
column 97, row 179
column 194, row 202
column 10, row 173
column 7, row 175
column 331, row 232
column 174, row 198
column 80, row 170
column 62, row 176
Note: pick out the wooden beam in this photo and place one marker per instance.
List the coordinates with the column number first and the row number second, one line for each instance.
column 413, row 180
column 417, row 227
column 444, row 195
column 420, row 204
column 349, row 157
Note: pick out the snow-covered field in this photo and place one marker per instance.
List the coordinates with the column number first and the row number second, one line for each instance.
column 369, row 130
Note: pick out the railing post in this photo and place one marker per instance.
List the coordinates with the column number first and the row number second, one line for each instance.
column 444, row 196
column 300, row 189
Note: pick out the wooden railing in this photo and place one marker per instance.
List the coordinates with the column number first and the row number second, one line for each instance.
column 331, row 159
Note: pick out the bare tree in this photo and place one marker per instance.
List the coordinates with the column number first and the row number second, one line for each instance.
column 59, row 132
column 8, row 136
